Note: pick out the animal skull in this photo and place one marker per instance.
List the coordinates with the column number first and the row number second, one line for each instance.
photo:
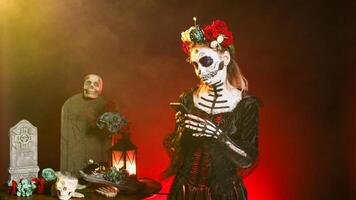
column 93, row 86
column 65, row 186
column 210, row 65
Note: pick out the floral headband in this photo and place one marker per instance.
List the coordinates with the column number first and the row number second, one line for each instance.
column 216, row 36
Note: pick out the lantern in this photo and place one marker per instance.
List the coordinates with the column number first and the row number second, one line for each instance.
column 124, row 155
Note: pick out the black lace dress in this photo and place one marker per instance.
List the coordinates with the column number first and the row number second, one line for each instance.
column 206, row 168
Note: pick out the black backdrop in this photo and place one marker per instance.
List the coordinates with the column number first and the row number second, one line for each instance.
column 297, row 56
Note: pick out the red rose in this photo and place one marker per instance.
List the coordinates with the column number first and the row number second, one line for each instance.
column 35, row 181
column 13, row 187
column 209, row 33
column 228, row 39
column 218, row 27
column 41, row 185
column 186, row 47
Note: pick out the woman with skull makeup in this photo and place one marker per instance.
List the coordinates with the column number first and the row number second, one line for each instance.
column 215, row 144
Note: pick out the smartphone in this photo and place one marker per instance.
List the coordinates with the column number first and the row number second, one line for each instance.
column 179, row 107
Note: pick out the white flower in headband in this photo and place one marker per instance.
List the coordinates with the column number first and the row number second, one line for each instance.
column 217, row 43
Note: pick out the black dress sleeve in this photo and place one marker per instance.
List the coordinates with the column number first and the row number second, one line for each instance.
column 244, row 135
column 170, row 142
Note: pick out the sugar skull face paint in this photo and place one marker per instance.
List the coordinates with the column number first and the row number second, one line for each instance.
column 209, row 64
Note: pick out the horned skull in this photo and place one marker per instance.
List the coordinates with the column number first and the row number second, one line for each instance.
column 65, row 186
column 209, row 64
column 93, row 86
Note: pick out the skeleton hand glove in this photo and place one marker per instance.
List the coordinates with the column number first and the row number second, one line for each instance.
column 203, row 128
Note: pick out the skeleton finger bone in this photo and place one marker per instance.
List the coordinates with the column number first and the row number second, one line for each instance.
column 204, row 135
column 202, row 124
column 202, row 127
column 201, row 130
column 193, row 127
column 194, row 117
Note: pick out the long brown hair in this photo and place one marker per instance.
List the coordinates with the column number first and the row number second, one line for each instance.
column 235, row 76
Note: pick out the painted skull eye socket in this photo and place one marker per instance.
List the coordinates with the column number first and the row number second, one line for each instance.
column 206, row 61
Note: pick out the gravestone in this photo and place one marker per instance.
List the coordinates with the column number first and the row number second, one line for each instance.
column 81, row 139
column 23, row 152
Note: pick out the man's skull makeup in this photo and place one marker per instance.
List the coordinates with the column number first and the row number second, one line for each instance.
column 93, row 86
column 65, row 186
column 210, row 65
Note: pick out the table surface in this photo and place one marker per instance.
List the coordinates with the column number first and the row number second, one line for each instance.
column 152, row 188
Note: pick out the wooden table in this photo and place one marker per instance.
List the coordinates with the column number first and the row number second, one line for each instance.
column 152, row 188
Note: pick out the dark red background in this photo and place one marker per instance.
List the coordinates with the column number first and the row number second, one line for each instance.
column 296, row 55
